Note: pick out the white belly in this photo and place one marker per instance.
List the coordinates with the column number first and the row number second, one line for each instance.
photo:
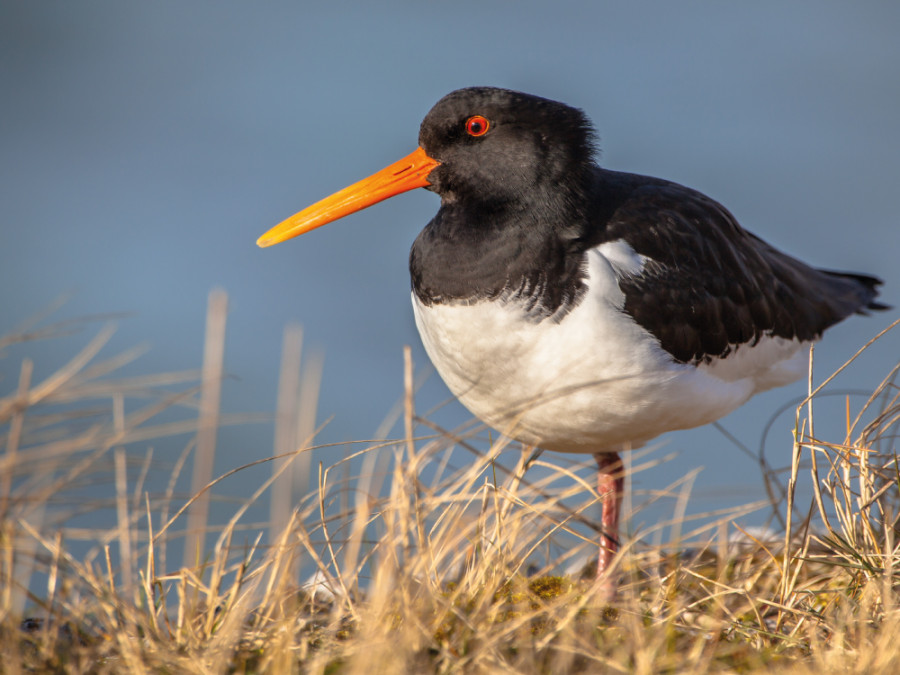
column 595, row 380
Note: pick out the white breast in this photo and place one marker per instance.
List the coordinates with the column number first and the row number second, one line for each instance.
column 593, row 380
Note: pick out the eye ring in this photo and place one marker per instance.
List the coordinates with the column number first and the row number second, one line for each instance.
column 477, row 125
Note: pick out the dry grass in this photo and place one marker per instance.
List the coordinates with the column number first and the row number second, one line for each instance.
column 446, row 567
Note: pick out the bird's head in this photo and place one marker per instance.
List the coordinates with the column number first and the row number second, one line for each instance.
column 485, row 146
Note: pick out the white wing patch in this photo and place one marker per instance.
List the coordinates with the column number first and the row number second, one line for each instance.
column 624, row 260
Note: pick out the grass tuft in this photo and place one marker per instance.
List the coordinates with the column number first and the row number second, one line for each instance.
column 416, row 554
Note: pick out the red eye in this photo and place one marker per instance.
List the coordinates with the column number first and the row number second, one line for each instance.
column 477, row 125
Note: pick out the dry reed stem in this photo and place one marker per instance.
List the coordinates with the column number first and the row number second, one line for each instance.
column 207, row 426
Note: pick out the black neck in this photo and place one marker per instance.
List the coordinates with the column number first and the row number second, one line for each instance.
column 525, row 250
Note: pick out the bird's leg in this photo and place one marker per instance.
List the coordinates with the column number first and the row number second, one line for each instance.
column 610, row 485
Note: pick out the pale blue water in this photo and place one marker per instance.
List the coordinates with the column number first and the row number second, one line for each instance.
column 145, row 146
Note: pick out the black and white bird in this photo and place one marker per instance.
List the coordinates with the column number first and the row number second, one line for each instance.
column 585, row 310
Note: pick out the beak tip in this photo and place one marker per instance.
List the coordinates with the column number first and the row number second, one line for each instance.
column 263, row 242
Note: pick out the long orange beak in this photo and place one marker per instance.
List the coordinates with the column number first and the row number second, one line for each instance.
column 408, row 173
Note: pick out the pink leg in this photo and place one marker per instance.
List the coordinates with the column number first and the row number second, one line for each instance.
column 610, row 485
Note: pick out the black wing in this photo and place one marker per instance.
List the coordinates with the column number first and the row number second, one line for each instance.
column 710, row 285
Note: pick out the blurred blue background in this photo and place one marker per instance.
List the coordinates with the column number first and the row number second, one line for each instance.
column 145, row 146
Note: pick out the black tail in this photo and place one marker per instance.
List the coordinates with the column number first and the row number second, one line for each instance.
column 859, row 291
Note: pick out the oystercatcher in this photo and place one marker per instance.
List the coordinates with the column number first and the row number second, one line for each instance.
column 580, row 309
